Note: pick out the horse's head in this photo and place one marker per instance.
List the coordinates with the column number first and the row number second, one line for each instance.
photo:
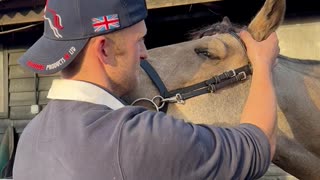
column 217, row 44
column 215, row 50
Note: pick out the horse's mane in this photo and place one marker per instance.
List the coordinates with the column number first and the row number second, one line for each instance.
column 217, row 28
column 299, row 61
column 303, row 66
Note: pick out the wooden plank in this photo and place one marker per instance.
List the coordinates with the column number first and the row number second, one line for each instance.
column 27, row 98
column 3, row 83
column 35, row 15
column 24, row 16
column 21, row 85
column 275, row 173
column 14, row 56
column 27, row 84
column 21, row 113
column 9, row 5
column 152, row 4
column 17, row 72
column 18, row 124
column 278, row 178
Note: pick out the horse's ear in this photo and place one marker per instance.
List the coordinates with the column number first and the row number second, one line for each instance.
column 226, row 21
column 268, row 19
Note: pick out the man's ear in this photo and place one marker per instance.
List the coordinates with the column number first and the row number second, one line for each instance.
column 103, row 49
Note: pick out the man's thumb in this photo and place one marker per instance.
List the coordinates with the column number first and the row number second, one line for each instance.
column 245, row 36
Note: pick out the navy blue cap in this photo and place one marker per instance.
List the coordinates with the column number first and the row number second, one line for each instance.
column 69, row 24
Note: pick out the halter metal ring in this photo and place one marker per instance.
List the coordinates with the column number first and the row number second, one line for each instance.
column 161, row 100
column 148, row 100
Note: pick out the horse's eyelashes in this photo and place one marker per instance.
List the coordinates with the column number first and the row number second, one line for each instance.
column 204, row 53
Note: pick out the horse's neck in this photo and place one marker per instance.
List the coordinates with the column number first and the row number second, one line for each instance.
column 297, row 86
column 296, row 82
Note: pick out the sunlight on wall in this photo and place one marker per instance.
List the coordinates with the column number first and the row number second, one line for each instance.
column 300, row 38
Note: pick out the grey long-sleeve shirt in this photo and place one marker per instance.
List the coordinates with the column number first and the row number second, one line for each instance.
column 83, row 140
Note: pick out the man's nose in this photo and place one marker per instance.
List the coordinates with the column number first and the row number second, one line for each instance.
column 143, row 51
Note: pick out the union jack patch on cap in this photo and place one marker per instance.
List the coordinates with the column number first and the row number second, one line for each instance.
column 105, row 23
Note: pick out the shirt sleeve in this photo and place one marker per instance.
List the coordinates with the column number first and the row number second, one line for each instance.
column 157, row 146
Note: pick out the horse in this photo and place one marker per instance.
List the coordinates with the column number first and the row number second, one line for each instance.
column 216, row 50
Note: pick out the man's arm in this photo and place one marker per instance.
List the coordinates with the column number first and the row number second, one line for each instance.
column 157, row 146
column 261, row 106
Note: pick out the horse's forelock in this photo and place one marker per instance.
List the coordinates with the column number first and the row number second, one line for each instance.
column 217, row 28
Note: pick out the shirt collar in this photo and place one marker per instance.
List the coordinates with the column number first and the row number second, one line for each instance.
column 62, row 89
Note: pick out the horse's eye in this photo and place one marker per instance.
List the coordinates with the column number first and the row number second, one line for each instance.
column 204, row 53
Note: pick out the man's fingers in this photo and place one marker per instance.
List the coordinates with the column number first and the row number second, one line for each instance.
column 245, row 36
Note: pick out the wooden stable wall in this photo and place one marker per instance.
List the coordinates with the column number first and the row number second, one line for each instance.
column 22, row 91
column 152, row 4
column 25, row 15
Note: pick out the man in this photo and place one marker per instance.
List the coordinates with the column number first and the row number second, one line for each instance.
column 86, row 132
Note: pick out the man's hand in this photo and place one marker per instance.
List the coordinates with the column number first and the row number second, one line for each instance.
column 261, row 54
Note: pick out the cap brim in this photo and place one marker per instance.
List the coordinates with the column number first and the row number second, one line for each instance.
column 49, row 56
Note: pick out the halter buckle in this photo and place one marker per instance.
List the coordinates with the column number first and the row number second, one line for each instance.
column 212, row 88
column 242, row 75
column 233, row 73
column 174, row 99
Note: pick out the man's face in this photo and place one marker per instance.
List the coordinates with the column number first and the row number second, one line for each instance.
column 131, row 49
